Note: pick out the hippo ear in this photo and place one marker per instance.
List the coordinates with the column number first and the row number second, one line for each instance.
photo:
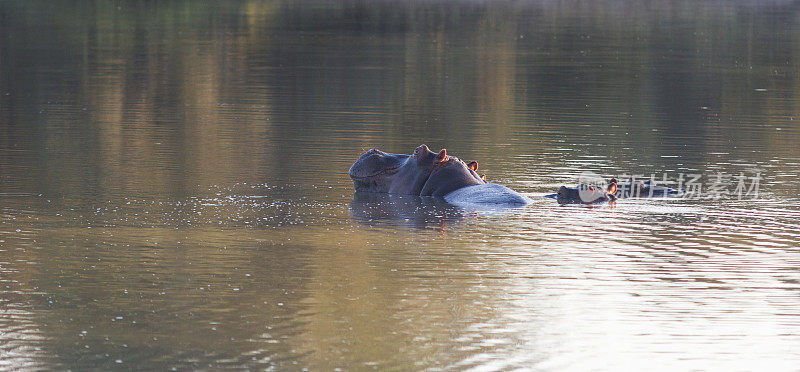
column 483, row 177
column 612, row 188
column 442, row 156
column 473, row 165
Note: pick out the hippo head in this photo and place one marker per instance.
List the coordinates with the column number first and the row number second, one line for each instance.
column 585, row 194
column 378, row 171
column 449, row 175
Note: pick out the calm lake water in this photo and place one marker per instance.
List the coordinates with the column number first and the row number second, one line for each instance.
column 174, row 189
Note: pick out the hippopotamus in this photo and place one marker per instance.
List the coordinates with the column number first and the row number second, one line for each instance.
column 585, row 194
column 378, row 171
column 426, row 173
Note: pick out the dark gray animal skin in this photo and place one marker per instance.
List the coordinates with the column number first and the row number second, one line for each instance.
column 425, row 173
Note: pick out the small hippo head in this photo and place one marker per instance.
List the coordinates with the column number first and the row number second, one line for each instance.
column 449, row 175
column 586, row 194
column 378, row 171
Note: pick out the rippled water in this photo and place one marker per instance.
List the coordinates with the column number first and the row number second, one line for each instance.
column 173, row 187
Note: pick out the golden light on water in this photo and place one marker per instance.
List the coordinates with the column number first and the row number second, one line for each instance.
column 174, row 188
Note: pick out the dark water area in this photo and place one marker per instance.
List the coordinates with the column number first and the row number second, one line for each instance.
column 174, row 189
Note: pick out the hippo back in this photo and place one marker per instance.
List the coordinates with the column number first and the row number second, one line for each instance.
column 488, row 195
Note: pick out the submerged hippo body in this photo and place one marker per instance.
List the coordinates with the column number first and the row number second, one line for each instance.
column 646, row 189
column 488, row 195
column 425, row 173
column 372, row 208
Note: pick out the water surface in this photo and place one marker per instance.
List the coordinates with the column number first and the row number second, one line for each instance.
column 174, row 190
